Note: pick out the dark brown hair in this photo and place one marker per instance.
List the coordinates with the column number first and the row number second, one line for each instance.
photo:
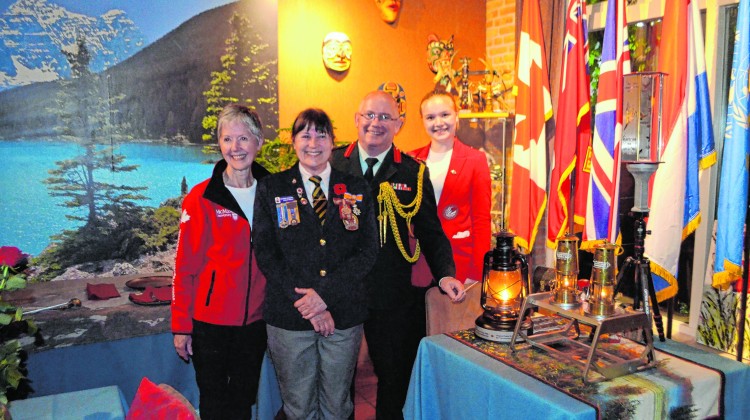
column 313, row 117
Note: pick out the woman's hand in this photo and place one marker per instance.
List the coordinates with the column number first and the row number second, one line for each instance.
column 183, row 343
column 311, row 304
column 323, row 324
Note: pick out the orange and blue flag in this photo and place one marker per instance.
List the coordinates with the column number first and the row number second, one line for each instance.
column 674, row 196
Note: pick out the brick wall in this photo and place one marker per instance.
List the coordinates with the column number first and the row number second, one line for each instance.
column 501, row 40
column 502, row 16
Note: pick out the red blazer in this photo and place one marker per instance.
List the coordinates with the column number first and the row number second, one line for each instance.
column 464, row 207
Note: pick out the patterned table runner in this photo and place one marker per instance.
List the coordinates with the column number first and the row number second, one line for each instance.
column 676, row 389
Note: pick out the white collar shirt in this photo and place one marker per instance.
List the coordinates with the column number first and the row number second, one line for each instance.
column 309, row 186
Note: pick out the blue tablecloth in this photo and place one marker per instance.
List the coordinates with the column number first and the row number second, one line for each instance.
column 124, row 363
column 451, row 381
column 105, row 403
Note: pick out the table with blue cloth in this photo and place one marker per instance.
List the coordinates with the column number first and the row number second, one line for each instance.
column 453, row 380
column 106, row 403
column 112, row 343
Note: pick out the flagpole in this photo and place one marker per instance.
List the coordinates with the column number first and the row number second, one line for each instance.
column 572, row 196
column 743, row 293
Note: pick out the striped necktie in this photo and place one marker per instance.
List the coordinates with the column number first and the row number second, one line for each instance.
column 319, row 199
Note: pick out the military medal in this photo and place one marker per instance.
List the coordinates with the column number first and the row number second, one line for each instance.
column 286, row 211
column 353, row 199
column 346, row 212
column 293, row 214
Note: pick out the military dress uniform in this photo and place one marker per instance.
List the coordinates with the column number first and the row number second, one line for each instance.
column 397, row 311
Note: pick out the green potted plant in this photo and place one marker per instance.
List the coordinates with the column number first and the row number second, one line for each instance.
column 12, row 325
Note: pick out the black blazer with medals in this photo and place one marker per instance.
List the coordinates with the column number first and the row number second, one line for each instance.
column 389, row 282
column 328, row 258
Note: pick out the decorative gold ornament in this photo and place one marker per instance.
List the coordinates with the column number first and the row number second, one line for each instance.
column 389, row 206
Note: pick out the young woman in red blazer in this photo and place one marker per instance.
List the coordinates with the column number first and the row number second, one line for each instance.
column 461, row 180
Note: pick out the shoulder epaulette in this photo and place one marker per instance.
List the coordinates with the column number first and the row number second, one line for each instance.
column 396, row 154
column 349, row 149
column 418, row 159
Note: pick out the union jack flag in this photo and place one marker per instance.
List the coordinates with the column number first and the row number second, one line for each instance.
column 602, row 222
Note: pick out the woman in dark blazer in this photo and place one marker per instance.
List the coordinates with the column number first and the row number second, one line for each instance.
column 316, row 239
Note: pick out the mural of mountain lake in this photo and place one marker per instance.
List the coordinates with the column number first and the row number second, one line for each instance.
column 29, row 215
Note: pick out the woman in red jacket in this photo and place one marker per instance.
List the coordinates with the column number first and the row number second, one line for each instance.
column 460, row 177
column 218, row 290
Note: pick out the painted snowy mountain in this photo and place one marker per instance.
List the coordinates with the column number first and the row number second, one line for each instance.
column 34, row 34
column 159, row 90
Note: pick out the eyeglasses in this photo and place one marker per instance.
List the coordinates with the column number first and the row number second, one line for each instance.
column 369, row 116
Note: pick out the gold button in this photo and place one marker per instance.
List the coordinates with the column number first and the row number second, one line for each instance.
column 322, row 242
column 323, row 273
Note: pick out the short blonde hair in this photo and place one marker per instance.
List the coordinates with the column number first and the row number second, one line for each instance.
column 243, row 114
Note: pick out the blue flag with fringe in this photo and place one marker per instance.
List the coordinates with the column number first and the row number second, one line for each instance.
column 733, row 187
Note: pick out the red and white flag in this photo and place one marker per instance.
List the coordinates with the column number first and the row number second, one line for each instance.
column 573, row 130
column 533, row 112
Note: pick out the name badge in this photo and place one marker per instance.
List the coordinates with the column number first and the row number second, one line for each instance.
column 450, row 212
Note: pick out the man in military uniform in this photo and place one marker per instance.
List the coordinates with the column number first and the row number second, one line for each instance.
column 405, row 198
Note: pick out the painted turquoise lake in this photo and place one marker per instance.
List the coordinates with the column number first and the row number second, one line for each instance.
column 29, row 215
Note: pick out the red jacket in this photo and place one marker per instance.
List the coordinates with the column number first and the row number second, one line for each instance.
column 464, row 207
column 216, row 278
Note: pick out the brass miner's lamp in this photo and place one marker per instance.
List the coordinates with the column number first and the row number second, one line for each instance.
column 602, row 286
column 505, row 282
column 566, row 273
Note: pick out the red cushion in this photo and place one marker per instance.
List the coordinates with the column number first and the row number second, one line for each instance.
column 101, row 291
column 157, row 402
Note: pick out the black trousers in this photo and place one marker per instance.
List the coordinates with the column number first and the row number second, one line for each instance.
column 227, row 363
column 393, row 337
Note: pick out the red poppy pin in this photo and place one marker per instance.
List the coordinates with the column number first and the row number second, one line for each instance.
column 339, row 189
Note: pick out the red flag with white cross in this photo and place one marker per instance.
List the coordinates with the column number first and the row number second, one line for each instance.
column 533, row 115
